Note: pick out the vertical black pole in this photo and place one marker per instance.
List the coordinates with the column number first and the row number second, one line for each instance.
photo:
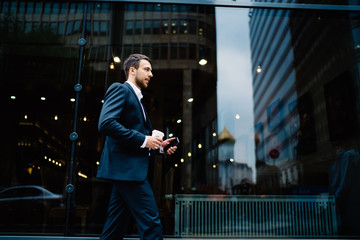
column 74, row 136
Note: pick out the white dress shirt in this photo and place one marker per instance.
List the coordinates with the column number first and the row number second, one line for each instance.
column 140, row 96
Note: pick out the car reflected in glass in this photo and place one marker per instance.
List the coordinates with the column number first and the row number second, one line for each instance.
column 27, row 204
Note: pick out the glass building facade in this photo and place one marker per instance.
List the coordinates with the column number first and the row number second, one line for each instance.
column 264, row 96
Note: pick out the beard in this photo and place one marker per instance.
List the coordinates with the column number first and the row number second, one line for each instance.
column 141, row 82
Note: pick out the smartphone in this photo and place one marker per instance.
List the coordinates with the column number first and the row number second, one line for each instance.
column 174, row 142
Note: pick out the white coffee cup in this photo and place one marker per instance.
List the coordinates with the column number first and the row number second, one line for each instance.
column 157, row 133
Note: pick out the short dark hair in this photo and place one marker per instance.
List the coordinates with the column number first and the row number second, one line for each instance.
column 133, row 61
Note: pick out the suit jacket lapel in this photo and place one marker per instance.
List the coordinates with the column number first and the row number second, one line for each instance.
column 147, row 121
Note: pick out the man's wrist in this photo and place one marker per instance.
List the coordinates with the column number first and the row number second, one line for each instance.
column 144, row 143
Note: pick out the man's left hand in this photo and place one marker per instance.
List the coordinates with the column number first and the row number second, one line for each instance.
column 171, row 150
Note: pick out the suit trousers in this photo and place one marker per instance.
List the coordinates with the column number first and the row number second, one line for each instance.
column 136, row 199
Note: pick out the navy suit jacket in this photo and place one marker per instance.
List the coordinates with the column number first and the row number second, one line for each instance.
column 123, row 123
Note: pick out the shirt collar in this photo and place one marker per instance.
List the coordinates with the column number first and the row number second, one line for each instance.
column 137, row 90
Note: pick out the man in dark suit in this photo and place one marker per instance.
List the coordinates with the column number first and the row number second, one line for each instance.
column 127, row 149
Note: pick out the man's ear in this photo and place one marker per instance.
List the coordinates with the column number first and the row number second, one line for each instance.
column 132, row 70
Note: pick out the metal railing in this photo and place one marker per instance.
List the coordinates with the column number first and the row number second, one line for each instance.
column 254, row 216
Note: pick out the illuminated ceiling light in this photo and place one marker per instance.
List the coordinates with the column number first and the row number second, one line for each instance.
column 26, row 116
column 102, row 101
column 56, row 117
column 231, row 160
column 182, row 160
column 97, row 163
column 53, row 161
column 189, row 154
column 45, row 157
column 43, row 98
column 214, row 134
column 49, row 159
column 258, row 69
column 13, row 97
column 178, row 121
column 176, row 165
column 59, row 164
column 82, row 175
column 171, row 134
column 190, row 100
column 72, row 99
column 203, row 62
column 214, row 165
column 117, row 59
column 237, row 116
column 112, row 66
column 85, row 119
column 199, row 145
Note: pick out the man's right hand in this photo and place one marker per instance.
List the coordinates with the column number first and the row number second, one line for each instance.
column 153, row 142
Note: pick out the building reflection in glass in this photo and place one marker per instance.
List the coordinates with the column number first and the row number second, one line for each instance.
column 306, row 105
column 286, row 122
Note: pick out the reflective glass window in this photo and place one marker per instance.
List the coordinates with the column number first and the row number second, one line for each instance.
column 104, row 27
column 76, row 26
column 29, row 7
column 157, row 7
column 192, row 26
column 165, row 8
column 174, row 8
column 183, row 50
column 174, row 26
column 105, row 7
column 61, row 28
column 55, row 8
column 164, row 51
column 139, row 7
column 165, row 27
column 53, row 27
column 12, row 7
column 155, row 53
column 5, row 7
column 129, row 27
column 146, row 49
column 265, row 102
column 149, row 7
column 79, row 8
column 21, row 8
column 38, row 72
column 72, row 7
column 69, row 27
column 173, row 51
column 130, row 7
column 156, row 26
column 184, row 26
column 147, row 26
column 47, row 7
column 63, row 8
column 138, row 27
column 192, row 51
column 38, row 7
